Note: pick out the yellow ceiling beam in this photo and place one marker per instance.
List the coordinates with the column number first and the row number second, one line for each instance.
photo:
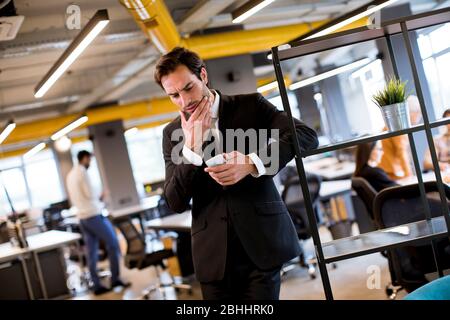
column 245, row 41
column 43, row 129
column 154, row 19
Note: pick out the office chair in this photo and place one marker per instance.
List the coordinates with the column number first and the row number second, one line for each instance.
column 138, row 256
column 400, row 205
column 293, row 198
column 366, row 194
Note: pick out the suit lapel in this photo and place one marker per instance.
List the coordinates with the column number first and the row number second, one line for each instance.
column 224, row 116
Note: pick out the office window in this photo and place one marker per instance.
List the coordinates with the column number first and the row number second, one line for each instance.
column 13, row 181
column 43, row 179
column 434, row 46
column 93, row 172
column 145, row 151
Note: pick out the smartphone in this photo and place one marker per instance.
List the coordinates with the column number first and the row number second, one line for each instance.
column 215, row 161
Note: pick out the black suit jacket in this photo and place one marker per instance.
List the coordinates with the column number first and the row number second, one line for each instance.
column 258, row 215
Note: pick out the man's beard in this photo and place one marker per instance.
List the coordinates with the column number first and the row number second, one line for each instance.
column 205, row 92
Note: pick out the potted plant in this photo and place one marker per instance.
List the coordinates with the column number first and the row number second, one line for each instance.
column 392, row 103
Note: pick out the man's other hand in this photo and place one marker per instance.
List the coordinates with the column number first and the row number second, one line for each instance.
column 236, row 168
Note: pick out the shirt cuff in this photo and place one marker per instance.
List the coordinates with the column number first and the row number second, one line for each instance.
column 192, row 157
column 258, row 164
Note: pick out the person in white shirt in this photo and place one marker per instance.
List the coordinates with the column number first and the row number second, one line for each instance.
column 93, row 224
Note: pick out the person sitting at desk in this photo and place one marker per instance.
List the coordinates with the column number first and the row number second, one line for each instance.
column 367, row 158
column 94, row 226
column 396, row 160
column 442, row 145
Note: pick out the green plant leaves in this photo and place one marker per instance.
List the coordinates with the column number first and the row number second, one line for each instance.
column 393, row 92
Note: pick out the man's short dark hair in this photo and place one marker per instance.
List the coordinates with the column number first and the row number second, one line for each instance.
column 82, row 154
column 178, row 56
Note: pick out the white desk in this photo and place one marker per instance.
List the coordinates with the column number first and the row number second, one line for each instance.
column 37, row 243
column 144, row 205
column 51, row 239
column 330, row 189
column 8, row 252
column 176, row 222
column 330, row 168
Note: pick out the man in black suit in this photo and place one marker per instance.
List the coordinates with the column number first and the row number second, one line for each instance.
column 241, row 230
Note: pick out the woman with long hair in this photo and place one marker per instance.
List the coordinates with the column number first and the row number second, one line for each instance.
column 368, row 156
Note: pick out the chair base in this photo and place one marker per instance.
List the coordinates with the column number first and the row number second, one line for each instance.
column 392, row 291
column 162, row 287
column 308, row 263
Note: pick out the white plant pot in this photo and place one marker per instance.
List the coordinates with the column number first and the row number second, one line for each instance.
column 396, row 116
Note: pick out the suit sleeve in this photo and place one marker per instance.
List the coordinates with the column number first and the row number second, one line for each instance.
column 282, row 148
column 179, row 178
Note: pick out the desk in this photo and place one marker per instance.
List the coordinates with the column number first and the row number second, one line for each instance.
column 136, row 210
column 176, row 222
column 180, row 223
column 330, row 168
column 331, row 189
column 39, row 243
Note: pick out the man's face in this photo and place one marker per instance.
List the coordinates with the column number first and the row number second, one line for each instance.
column 185, row 89
column 86, row 162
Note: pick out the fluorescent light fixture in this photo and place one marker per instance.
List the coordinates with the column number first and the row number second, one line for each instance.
column 7, row 131
column 249, row 9
column 354, row 18
column 131, row 132
column 34, row 150
column 97, row 23
column 366, row 68
column 267, row 87
column 329, row 74
column 69, row 128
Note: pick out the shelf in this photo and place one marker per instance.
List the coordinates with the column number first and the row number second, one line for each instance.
column 349, row 37
column 360, row 140
column 382, row 239
column 440, row 122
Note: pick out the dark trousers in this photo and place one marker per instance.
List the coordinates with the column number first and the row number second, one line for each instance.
column 242, row 279
column 100, row 228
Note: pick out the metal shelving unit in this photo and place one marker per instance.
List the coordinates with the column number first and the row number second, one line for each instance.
column 429, row 229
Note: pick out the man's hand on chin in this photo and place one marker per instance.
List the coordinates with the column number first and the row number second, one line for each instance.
column 236, row 168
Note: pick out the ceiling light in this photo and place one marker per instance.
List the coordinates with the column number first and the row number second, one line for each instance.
column 366, row 68
column 63, row 144
column 354, row 18
column 97, row 23
column 69, row 128
column 328, row 74
column 34, row 150
column 267, row 87
column 249, row 9
column 7, row 131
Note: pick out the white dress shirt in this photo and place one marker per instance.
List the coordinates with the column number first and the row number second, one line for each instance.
column 81, row 194
column 197, row 159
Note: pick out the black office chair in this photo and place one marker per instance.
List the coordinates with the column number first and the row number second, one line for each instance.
column 400, row 205
column 293, row 198
column 53, row 219
column 139, row 256
column 366, row 193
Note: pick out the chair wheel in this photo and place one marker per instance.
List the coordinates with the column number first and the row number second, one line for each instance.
column 312, row 276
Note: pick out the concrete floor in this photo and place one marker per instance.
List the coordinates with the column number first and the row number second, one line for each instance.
column 362, row 278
